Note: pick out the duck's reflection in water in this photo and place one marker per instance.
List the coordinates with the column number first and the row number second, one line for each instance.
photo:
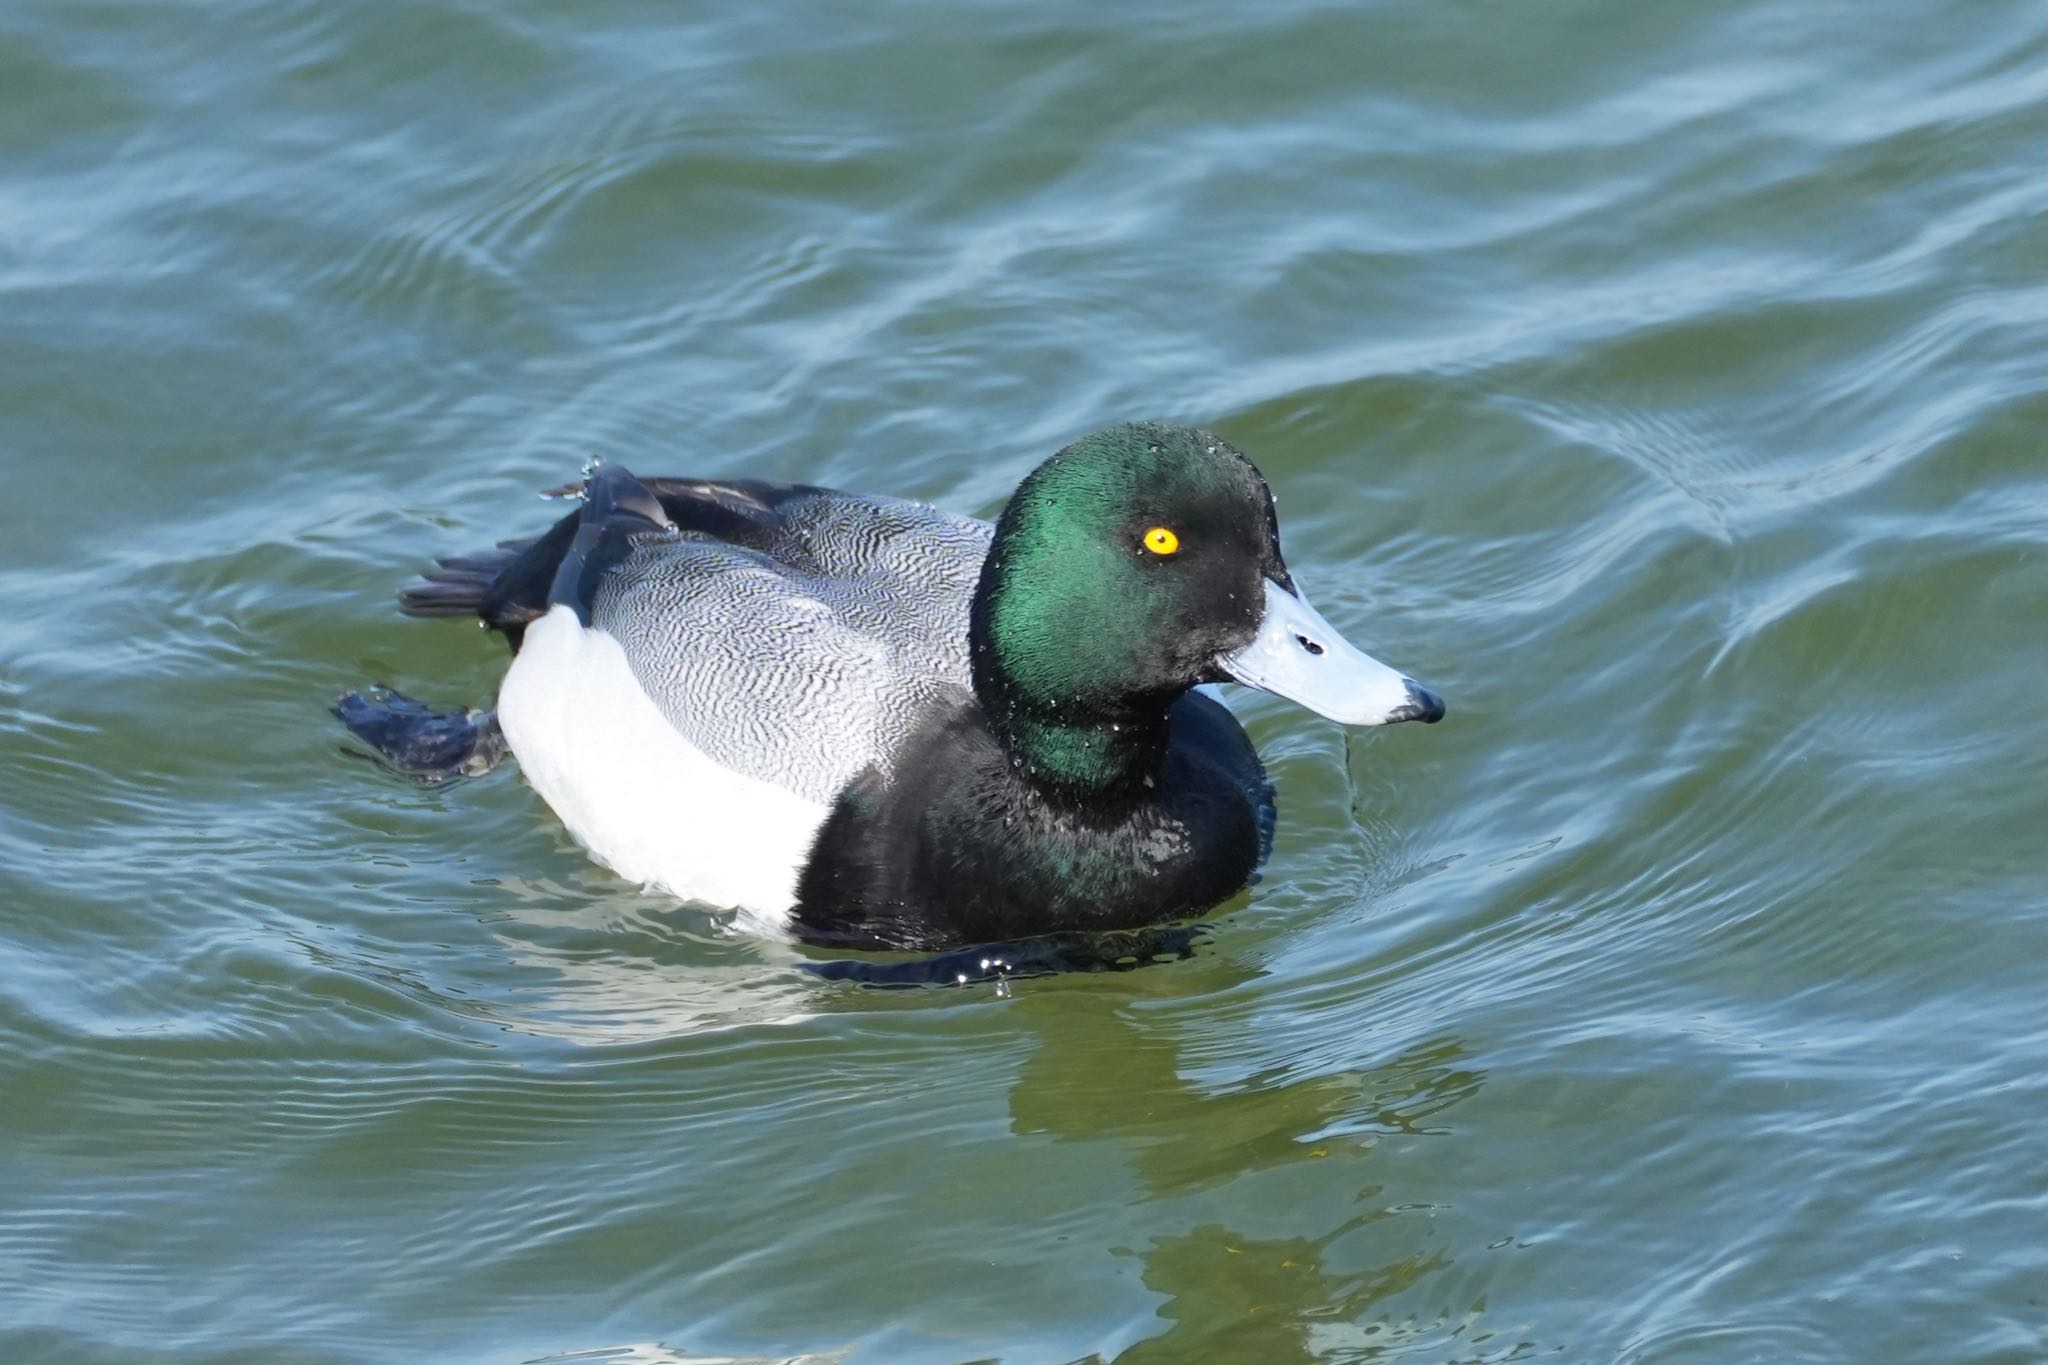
column 1155, row 1078
column 1109, row 1068
column 631, row 967
column 601, row 964
column 1257, row 1206
column 1285, row 1301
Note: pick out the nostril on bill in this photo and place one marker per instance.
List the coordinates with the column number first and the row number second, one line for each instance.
column 1310, row 645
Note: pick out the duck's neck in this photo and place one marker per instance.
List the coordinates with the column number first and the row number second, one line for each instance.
column 1112, row 759
column 1045, row 646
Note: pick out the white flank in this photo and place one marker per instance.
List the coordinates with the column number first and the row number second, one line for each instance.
column 645, row 801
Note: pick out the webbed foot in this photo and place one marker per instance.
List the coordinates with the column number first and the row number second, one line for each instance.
column 426, row 745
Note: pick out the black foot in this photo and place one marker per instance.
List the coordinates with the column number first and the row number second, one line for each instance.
column 429, row 746
column 1120, row 950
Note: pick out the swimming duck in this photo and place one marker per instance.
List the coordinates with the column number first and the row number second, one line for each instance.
column 879, row 724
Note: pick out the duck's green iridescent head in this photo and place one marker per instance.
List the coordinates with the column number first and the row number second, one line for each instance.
column 1137, row 563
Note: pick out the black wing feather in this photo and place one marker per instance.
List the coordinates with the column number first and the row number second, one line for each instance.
column 512, row 585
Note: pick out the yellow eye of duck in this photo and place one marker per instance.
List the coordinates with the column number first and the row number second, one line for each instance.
column 1161, row 541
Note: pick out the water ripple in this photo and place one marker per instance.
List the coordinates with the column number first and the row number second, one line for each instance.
column 1662, row 382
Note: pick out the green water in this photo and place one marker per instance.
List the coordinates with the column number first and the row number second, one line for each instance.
column 1666, row 383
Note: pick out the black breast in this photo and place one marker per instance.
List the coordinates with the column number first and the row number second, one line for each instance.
column 959, row 848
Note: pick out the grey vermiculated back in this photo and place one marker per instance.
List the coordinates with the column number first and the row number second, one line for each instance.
column 807, row 663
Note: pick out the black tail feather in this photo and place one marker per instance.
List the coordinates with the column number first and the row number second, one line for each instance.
column 511, row 586
column 459, row 584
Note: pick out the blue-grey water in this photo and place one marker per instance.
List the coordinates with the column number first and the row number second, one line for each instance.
column 1667, row 383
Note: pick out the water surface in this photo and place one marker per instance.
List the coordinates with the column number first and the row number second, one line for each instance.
column 1664, row 383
